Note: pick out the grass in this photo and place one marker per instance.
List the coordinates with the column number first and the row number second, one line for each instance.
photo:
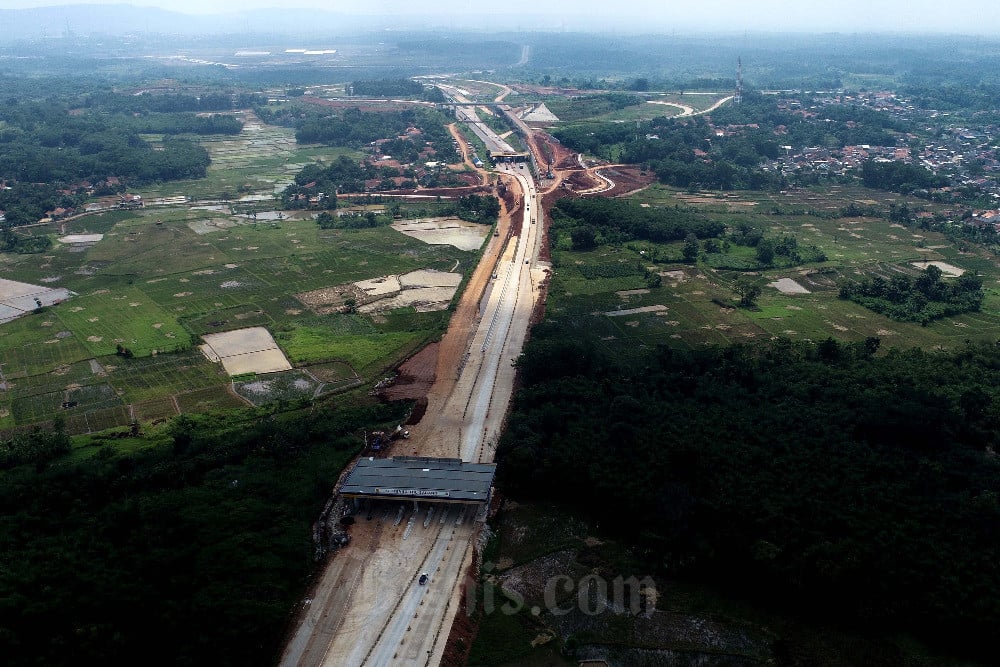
column 127, row 317
column 311, row 344
column 191, row 284
column 599, row 110
column 185, row 284
column 33, row 344
column 208, row 400
column 284, row 386
column 694, row 316
column 257, row 161
column 145, row 379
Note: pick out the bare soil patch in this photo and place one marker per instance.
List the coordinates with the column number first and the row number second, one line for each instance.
column 425, row 290
column 627, row 180
column 80, row 238
column 416, row 375
column 429, row 278
column 445, row 231
column 251, row 350
column 949, row 270
column 635, row 311
column 379, row 287
column 331, row 299
column 788, row 286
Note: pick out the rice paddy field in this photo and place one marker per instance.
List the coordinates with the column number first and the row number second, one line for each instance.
column 692, row 307
column 162, row 277
column 260, row 161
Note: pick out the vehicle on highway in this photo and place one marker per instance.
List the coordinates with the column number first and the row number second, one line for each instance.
column 423, row 578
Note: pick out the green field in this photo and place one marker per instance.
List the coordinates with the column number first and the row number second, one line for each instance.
column 259, row 161
column 163, row 276
column 591, row 109
column 313, row 344
column 692, row 298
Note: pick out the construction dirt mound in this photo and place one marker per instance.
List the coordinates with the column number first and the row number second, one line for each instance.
column 416, row 375
column 627, row 180
column 554, row 152
column 582, row 180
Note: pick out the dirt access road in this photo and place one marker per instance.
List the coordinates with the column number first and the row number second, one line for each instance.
column 687, row 111
column 367, row 608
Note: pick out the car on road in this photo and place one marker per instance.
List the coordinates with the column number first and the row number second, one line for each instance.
column 423, row 578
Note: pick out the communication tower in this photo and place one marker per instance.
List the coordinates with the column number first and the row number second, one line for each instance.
column 738, row 94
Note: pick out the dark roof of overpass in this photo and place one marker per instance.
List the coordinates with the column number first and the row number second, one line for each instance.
column 416, row 477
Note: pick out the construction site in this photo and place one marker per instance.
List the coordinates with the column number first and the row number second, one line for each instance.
column 406, row 518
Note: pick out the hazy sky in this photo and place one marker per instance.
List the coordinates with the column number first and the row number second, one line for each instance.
column 972, row 16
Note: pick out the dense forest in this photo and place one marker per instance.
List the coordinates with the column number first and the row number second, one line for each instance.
column 51, row 151
column 922, row 299
column 858, row 487
column 396, row 88
column 483, row 209
column 899, row 177
column 184, row 547
column 617, row 221
column 355, row 128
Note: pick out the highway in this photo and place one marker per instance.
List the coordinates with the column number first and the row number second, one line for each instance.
column 469, row 116
column 371, row 610
column 494, row 344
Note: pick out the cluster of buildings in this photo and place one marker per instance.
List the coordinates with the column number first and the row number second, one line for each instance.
column 125, row 202
column 968, row 156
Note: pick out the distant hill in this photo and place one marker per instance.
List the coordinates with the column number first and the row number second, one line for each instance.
column 129, row 19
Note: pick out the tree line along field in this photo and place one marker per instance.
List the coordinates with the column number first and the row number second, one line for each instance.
column 693, row 306
column 154, row 286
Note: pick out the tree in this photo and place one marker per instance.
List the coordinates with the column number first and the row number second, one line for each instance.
column 584, row 238
column 326, row 221
column 748, row 290
column 642, row 83
column 690, row 248
column 765, row 252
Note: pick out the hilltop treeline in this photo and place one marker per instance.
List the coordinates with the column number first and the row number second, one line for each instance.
column 819, row 477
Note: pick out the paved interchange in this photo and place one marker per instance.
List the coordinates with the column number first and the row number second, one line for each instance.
column 367, row 608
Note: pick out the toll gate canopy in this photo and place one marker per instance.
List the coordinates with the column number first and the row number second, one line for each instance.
column 420, row 478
